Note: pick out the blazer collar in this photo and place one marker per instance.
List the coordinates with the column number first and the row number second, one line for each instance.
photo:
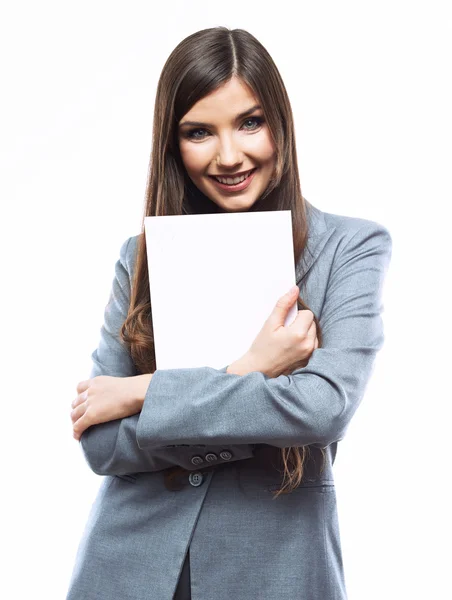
column 318, row 235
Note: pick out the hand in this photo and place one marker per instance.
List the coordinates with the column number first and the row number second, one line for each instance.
column 104, row 398
column 277, row 349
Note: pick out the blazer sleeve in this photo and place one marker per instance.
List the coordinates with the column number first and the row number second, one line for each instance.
column 314, row 404
column 111, row 448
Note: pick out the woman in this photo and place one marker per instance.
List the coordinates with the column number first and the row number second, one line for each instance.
column 230, row 507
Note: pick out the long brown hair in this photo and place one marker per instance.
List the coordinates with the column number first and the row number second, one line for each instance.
column 197, row 66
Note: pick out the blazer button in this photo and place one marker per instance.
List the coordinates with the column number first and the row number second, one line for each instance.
column 197, row 460
column 195, row 478
column 211, row 457
column 226, row 455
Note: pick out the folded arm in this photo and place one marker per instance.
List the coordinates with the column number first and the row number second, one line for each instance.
column 111, row 448
column 313, row 405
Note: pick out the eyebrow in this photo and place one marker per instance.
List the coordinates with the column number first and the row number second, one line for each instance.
column 238, row 117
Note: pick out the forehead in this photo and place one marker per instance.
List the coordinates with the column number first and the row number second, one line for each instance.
column 229, row 99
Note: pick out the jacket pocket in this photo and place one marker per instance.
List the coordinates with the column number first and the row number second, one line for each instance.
column 127, row 477
column 325, row 485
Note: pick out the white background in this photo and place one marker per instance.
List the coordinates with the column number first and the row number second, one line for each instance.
column 370, row 88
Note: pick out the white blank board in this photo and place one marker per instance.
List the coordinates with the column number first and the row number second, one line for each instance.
column 214, row 279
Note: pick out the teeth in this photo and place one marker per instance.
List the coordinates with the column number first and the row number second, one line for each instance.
column 232, row 181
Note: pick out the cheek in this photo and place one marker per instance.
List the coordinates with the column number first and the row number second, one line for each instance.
column 193, row 157
column 263, row 148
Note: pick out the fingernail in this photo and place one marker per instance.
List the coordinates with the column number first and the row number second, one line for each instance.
column 293, row 289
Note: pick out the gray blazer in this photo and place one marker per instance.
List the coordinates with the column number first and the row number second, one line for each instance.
column 226, row 431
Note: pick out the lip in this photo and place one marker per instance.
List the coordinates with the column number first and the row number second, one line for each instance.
column 235, row 188
column 238, row 174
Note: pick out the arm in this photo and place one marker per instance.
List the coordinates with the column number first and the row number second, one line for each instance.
column 313, row 405
column 111, row 448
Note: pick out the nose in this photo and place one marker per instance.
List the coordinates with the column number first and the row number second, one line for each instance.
column 229, row 154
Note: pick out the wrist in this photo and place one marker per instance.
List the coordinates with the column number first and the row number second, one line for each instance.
column 242, row 366
column 138, row 387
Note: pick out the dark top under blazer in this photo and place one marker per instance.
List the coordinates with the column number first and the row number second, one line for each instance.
column 243, row 543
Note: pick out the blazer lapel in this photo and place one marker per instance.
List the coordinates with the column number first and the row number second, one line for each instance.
column 318, row 235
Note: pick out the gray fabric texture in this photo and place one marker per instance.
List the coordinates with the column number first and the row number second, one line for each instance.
column 226, row 431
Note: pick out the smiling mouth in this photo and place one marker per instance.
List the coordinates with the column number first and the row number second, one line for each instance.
column 230, row 180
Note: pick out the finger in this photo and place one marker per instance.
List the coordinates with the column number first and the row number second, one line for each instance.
column 80, row 425
column 80, row 399
column 83, row 385
column 279, row 313
column 316, row 344
column 312, row 331
column 303, row 322
column 78, row 412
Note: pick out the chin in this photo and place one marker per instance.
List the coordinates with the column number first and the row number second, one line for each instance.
column 237, row 206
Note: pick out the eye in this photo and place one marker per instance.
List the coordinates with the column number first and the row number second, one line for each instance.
column 257, row 120
column 191, row 134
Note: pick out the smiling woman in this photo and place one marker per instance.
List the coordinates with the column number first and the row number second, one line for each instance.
column 234, row 159
column 221, row 480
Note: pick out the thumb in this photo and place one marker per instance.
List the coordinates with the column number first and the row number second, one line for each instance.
column 279, row 313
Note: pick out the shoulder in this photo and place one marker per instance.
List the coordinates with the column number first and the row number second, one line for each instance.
column 341, row 233
column 127, row 252
column 346, row 230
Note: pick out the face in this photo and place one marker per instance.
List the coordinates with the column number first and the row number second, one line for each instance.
column 225, row 135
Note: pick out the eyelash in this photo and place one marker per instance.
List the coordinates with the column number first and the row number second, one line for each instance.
column 191, row 132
